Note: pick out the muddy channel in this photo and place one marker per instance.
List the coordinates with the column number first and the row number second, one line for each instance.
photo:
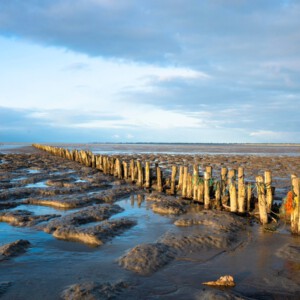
column 70, row 232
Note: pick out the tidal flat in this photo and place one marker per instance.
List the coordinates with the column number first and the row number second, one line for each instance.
column 68, row 231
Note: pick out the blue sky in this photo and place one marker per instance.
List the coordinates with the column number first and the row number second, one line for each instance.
column 153, row 71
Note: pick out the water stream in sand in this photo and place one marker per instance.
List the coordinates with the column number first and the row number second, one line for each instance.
column 56, row 262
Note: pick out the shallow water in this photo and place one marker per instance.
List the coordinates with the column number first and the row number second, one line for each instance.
column 41, row 184
column 179, row 149
column 33, row 171
column 44, row 210
column 60, row 262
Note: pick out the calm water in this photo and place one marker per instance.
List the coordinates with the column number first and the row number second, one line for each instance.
column 176, row 149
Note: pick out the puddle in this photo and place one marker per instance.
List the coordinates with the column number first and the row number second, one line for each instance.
column 149, row 228
column 18, row 179
column 33, row 171
column 80, row 180
column 44, row 210
column 63, row 172
column 41, row 184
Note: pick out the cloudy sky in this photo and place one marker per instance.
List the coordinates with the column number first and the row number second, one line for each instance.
column 153, row 71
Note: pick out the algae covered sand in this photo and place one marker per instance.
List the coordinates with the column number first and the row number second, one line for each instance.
column 85, row 235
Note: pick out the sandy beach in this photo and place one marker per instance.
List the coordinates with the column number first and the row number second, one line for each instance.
column 69, row 231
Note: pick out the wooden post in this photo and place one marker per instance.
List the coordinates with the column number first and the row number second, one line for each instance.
column 249, row 196
column 206, row 190
column 218, row 195
column 125, row 170
column 180, row 180
column 140, row 173
column 195, row 180
column 101, row 162
column 120, row 170
column 116, row 168
column 112, row 166
column 195, row 170
column 147, row 174
column 295, row 215
column 132, row 170
column 268, row 185
column 232, row 190
column 173, row 179
column 105, row 165
column 200, row 191
column 184, row 182
column 261, row 200
column 93, row 161
column 241, row 190
column 136, row 172
column 208, row 170
column 223, row 181
column 159, row 179
column 189, row 192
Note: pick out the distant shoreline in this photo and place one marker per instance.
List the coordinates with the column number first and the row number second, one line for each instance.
column 156, row 143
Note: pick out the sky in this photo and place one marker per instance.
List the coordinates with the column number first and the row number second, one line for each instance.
column 191, row 71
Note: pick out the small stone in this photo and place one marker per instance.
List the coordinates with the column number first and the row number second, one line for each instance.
column 226, row 280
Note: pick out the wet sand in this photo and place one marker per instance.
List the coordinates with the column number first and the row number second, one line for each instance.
column 151, row 255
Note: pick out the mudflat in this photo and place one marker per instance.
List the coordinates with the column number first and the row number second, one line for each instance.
column 69, row 231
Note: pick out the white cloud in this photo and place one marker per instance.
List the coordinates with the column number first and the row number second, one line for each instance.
column 266, row 133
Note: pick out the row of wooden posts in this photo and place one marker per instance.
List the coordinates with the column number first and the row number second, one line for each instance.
column 229, row 187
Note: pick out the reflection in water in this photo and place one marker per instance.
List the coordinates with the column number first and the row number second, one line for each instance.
column 138, row 199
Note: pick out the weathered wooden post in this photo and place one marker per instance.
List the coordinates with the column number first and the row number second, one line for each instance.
column 208, row 169
column 189, row 192
column 140, row 173
column 112, row 165
column 93, row 161
column 249, row 196
column 241, row 190
column 200, row 191
column 268, row 185
column 206, row 190
column 159, row 179
column 125, row 170
column 295, row 215
column 184, row 182
column 218, row 194
column 195, row 181
column 131, row 166
column 173, row 179
column 101, row 162
column 180, row 179
column 223, row 181
column 147, row 175
column 120, row 170
column 105, row 165
column 136, row 171
column 260, row 186
column 116, row 168
column 232, row 190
